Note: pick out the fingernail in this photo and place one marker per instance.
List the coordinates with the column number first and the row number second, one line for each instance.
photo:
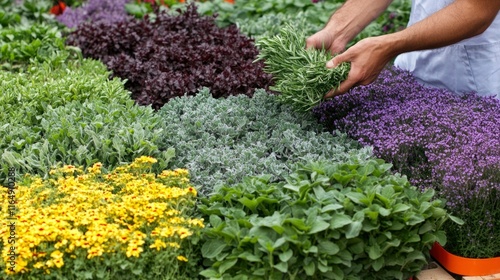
column 329, row 64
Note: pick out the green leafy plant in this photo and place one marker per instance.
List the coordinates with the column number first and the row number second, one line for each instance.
column 223, row 140
column 328, row 220
column 13, row 12
column 227, row 14
column 73, row 114
column 300, row 74
column 269, row 25
column 21, row 45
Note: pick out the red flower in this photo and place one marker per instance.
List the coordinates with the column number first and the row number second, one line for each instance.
column 58, row 8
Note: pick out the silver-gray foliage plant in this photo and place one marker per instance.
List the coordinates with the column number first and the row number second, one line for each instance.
column 223, row 140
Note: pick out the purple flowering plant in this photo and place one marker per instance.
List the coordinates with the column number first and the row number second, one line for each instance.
column 439, row 140
column 95, row 11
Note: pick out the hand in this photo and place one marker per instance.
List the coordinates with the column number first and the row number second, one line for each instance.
column 368, row 58
column 326, row 39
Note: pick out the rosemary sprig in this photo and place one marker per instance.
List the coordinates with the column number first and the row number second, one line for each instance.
column 300, row 75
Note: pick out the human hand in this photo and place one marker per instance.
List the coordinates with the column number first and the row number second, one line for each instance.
column 368, row 58
column 326, row 39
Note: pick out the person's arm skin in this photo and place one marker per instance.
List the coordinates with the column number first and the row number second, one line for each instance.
column 346, row 23
column 460, row 20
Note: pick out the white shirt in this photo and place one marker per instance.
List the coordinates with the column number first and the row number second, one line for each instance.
column 471, row 65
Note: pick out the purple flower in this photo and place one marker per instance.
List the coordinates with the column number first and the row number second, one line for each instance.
column 438, row 139
column 95, row 11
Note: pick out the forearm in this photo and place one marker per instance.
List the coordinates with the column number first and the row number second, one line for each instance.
column 460, row 20
column 354, row 16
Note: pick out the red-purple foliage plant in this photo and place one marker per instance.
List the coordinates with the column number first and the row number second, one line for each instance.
column 174, row 55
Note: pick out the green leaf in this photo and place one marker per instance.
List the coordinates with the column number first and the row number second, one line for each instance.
column 378, row 264
column 226, row 264
column 249, row 257
column 353, row 230
column 310, row 268
column 374, row 252
column 356, row 197
column 441, row 237
column 298, row 223
column 215, row 221
column 331, row 207
column 212, row 248
column 259, row 272
column 328, row 247
column 415, row 255
column 400, row 208
column 282, row 266
column 285, row 256
column 339, row 220
column 456, row 220
column 209, row 273
column 318, row 226
column 427, row 226
column 250, row 203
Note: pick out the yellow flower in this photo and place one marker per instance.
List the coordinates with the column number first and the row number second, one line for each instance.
column 57, row 254
column 102, row 214
column 38, row 265
column 94, row 252
column 145, row 159
column 59, row 263
column 49, row 263
column 134, row 251
column 96, row 168
column 158, row 244
column 182, row 258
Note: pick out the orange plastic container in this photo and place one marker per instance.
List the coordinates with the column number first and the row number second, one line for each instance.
column 465, row 266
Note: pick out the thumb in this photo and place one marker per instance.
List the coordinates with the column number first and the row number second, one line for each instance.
column 334, row 62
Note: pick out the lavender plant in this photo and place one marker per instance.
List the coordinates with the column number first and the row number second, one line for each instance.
column 95, row 11
column 440, row 140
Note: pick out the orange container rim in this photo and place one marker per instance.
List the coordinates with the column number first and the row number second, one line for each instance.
column 465, row 266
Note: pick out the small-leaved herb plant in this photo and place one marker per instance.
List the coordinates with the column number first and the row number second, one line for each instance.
column 300, row 74
column 328, row 220
column 222, row 140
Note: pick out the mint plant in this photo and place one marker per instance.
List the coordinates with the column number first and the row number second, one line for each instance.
column 326, row 220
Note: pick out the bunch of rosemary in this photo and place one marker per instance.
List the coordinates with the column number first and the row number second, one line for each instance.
column 300, row 75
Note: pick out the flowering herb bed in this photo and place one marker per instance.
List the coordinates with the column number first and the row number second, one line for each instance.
column 104, row 225
column 95, row 11
column 440, row 140
column 312, row 187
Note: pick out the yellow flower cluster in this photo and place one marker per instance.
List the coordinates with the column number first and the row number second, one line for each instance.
column 124, row 211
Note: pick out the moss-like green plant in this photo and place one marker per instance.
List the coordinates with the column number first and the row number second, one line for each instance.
column 300, row 75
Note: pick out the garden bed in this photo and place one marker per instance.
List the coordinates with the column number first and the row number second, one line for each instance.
column 170, row 122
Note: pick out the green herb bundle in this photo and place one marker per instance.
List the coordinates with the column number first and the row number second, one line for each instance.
column 300, row 75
